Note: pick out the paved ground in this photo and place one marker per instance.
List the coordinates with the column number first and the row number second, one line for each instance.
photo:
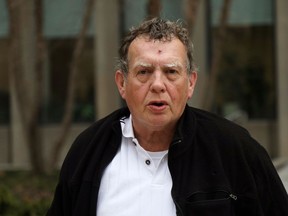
column 283, row 173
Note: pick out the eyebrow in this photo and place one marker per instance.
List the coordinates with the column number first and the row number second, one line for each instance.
column 142, row 64
column 175, row 64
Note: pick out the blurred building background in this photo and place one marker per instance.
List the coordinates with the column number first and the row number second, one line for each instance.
column 252, row 82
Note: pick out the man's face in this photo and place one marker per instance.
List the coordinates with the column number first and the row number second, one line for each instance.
column 157, row 86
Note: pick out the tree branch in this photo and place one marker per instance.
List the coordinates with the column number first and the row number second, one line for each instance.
column 68, row 112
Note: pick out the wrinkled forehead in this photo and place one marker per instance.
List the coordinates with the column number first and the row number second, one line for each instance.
column 143, row 41
column 161, row 38
column 145, row 53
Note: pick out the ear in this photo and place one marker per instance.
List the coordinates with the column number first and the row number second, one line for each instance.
column 192, row 83
column 120, row 82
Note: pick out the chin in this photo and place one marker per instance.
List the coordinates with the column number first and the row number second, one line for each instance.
column 159, row 123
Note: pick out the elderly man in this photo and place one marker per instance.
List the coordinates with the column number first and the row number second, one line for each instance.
column 160, row 157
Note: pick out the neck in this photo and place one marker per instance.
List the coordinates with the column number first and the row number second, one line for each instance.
column 154, row 140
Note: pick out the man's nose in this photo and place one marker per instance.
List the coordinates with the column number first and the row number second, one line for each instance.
column 158, row 82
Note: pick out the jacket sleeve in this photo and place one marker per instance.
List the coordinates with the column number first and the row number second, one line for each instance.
column 61, row 204
column 271, row 192
column 62, row 201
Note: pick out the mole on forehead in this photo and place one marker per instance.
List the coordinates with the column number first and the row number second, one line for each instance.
column 159, row 51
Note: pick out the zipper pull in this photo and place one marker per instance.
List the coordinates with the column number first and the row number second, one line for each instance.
column 234, row 197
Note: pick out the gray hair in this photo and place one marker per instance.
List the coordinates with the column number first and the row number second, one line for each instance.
column 156, row 29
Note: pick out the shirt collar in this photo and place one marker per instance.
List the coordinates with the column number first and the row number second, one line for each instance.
column 127, row 128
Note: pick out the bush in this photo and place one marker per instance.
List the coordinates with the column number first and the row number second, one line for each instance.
column 25, row 194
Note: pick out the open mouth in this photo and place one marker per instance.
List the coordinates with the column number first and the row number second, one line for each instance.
column 158, row 104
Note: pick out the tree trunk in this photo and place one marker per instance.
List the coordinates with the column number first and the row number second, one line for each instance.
column 41, row 57
column 153, row 8
column 67, row 118
column 28, row 96
column 190, row 10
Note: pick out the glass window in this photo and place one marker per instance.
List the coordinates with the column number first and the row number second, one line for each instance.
column 62, row 26
column 62, row 23
column 4, row 83
column 4, row 80
column 136, row 11
column 60, row 57
column 246, row 79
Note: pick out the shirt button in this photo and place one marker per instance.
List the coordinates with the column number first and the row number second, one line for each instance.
column 148, row 162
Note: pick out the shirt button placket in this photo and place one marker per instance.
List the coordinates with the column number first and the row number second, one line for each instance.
column 148, row 162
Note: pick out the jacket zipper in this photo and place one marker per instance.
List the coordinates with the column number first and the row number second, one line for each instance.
column 229, row 195
column 233, row 196
column 180, row 212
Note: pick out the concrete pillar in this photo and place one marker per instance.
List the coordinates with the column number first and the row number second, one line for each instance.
column 106, row 51
column 282, row 74
column 199, row 39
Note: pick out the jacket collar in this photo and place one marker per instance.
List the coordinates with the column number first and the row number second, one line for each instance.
column 184, row 134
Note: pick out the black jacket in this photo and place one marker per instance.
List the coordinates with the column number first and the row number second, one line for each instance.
column 216, row 168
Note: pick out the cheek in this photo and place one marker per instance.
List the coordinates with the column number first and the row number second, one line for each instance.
column 179, row 96
column 134, row 94
column 181, row 90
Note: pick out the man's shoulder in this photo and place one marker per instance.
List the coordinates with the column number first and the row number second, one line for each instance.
column 103, row 125
column 94, row 138
column 226, row 134
column 213, row 121
column 222, row 132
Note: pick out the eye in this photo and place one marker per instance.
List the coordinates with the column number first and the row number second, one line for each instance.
column 143, row 75
column 142, row 72
column 172, row 74
column 171, row 71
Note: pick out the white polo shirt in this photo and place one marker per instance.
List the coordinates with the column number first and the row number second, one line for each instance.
column 136, row 182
